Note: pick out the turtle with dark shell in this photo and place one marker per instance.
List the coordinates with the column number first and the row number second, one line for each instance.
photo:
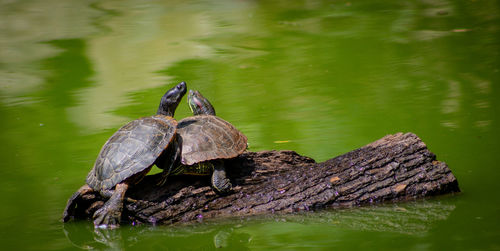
column 207, row 141
column 129, row 154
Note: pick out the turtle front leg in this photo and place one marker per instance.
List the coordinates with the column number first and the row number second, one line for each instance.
column 220, row 183
column 109, row 215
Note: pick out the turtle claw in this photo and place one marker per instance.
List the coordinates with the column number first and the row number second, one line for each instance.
column 223, row 186
column 107, row 218
column 220, row 183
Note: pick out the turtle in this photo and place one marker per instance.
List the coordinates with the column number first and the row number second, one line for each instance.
column 207, row 141
column 129, row 154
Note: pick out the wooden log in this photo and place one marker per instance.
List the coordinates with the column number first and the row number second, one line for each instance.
column 397, row 167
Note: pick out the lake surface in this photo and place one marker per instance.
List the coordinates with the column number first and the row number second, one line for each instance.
column 318, row 77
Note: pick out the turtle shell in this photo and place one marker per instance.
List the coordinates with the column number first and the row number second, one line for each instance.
column 131, row 150
column 207, row 137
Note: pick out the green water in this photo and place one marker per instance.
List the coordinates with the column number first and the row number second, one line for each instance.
column 318, row 77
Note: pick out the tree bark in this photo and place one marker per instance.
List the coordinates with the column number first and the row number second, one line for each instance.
column 397, row 167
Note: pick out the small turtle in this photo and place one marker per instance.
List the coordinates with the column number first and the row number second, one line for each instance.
column 129, row 154
column 207, row 140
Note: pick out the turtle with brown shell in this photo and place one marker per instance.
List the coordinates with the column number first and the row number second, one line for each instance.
column 207, row 141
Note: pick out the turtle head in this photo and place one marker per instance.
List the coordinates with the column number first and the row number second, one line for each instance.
column 171, row 99
column 199, row 105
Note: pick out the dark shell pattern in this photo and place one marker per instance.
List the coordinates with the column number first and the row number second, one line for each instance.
column 132, row 149
column 207, row 137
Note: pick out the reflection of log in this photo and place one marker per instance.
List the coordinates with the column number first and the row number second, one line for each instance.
column 413, row 218
column 395, row 168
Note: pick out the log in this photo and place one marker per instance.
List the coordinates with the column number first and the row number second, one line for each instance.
column 397, row 167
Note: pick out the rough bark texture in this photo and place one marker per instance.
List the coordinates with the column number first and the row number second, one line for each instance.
column 395, row 168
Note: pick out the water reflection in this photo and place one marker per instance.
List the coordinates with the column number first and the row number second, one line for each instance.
column 262, row 49
column 142, row 41
column 412, row 218
column 84, row 236
column 24, row 28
